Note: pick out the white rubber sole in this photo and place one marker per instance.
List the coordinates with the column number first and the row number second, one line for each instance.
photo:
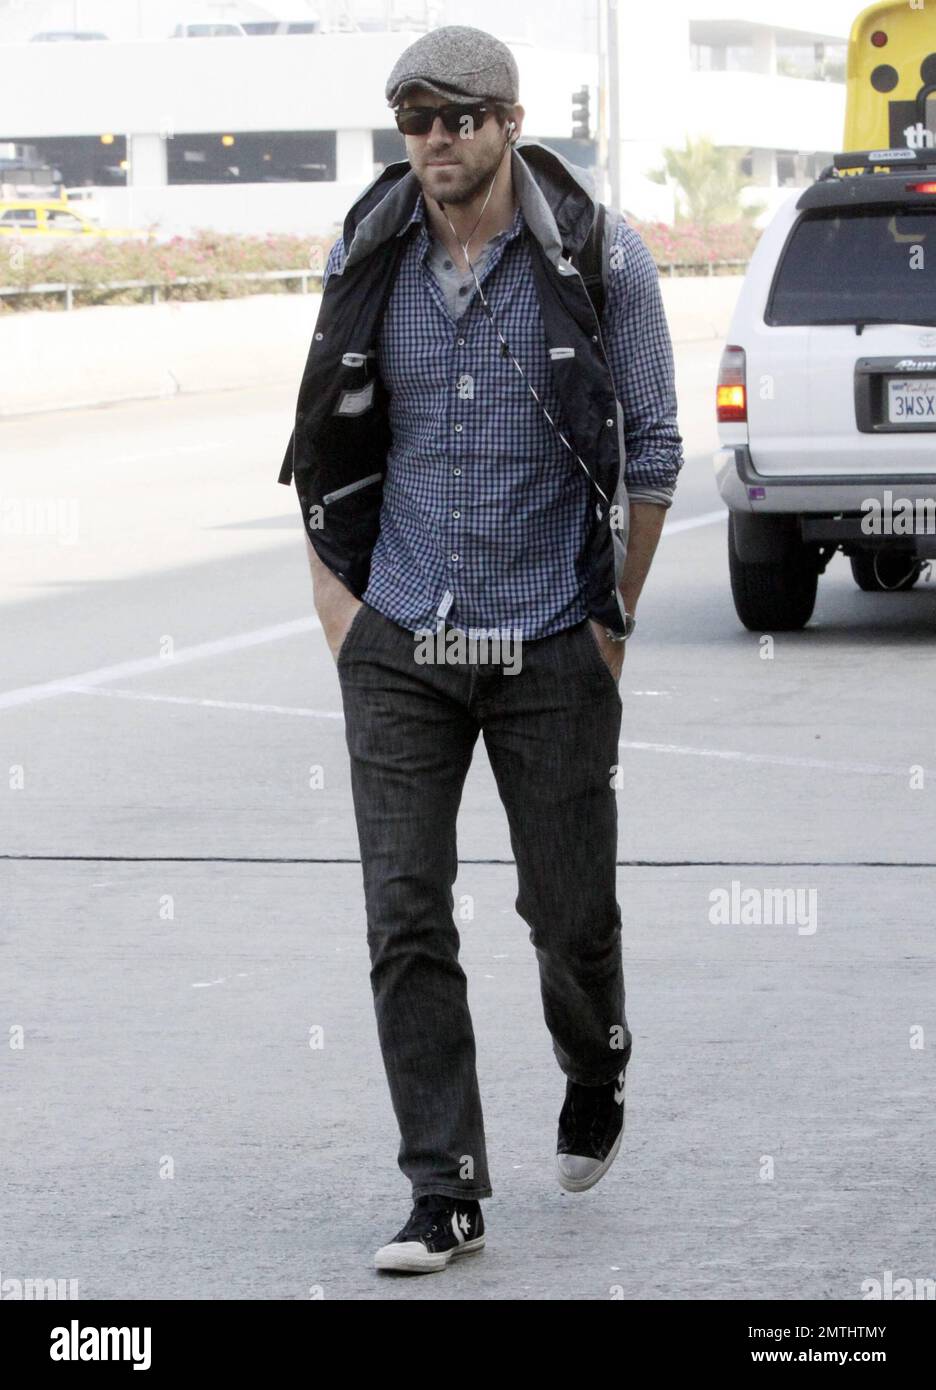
column 583, row 1184
column 411, row 1257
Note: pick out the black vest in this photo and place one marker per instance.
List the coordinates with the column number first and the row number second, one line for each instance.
column 338, row 448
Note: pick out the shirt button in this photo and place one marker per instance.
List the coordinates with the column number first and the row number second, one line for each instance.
column 609, row 423
column 457, row 472
column 461, row 342
column 454, row 557
column 458, row 428
column 463, row 290
column 456, row 515
column 447, row 265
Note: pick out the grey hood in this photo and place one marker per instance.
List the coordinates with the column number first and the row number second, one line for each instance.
column 556, row 198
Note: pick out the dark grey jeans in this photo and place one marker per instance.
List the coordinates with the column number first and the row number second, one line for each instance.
column 551, row 732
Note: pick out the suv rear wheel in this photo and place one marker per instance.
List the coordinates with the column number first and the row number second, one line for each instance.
column 778, row 594
column 878, row 571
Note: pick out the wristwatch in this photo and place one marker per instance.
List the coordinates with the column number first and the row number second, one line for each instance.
column 630, row 622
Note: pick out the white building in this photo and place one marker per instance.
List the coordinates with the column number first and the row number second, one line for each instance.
column 280, row 133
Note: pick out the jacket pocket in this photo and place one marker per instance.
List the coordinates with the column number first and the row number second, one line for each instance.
column 357, row 401
column 350, row 487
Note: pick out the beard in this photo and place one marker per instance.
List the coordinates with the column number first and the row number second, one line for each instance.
column 469, row 184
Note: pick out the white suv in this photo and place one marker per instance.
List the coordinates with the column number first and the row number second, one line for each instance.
column 827, row 390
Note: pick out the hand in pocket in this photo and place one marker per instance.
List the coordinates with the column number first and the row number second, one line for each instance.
column 336, row 623
column 612, row 652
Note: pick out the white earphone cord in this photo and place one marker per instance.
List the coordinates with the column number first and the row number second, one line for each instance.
column 500, row 335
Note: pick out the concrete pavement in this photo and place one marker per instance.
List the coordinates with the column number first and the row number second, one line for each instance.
column 180, row 908
column 114, row 353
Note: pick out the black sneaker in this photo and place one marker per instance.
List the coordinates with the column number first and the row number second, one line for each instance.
column 439, row 1228
column 591, row 1126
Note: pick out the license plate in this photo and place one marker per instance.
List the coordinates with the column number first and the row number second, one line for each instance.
column 912, row 402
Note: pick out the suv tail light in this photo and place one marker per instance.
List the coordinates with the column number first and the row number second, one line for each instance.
column 731, row 393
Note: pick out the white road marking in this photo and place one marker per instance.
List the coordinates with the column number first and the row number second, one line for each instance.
column 241, row 975
column 206, row 704
column 202, row 651
column 689, row 523
column 683, row 750
column 175, row 449
column 773, row 759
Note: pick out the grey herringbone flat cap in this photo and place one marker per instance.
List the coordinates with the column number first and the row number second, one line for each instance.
column 456, row 61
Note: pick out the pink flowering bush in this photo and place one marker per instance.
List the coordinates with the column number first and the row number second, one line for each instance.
column 695, row 247
column 218, row 255
column 88, row 264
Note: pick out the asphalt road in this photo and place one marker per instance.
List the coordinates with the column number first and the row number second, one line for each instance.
column 180, row 908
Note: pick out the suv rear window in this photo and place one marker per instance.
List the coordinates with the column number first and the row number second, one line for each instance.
column 857, row 266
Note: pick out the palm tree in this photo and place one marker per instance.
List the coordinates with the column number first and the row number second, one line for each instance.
column 709, row 180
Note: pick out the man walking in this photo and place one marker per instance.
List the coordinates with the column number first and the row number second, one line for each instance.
column 476, row 450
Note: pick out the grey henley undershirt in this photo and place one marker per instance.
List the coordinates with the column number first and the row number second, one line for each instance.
column 454, row 278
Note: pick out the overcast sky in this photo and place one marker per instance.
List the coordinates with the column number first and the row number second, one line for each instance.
column 555, row 23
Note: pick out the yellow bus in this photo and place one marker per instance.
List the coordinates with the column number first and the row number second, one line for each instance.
column 890, row 95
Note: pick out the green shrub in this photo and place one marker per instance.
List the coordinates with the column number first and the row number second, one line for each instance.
column 90, row 264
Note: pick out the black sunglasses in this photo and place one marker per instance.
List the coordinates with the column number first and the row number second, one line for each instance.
column 457, row 117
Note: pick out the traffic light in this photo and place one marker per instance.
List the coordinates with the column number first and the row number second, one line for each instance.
column 581, row 116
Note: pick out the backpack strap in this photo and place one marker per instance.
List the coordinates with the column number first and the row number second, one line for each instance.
column 590, row 262
column 593, row 261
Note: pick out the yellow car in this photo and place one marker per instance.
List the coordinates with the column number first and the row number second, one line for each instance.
column 52, row 218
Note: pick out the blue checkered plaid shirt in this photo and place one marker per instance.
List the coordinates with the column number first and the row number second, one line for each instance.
column 485, row 511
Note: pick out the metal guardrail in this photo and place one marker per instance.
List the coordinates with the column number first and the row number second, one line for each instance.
column 706, row 268
column 155, row 286
column 304, row 276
